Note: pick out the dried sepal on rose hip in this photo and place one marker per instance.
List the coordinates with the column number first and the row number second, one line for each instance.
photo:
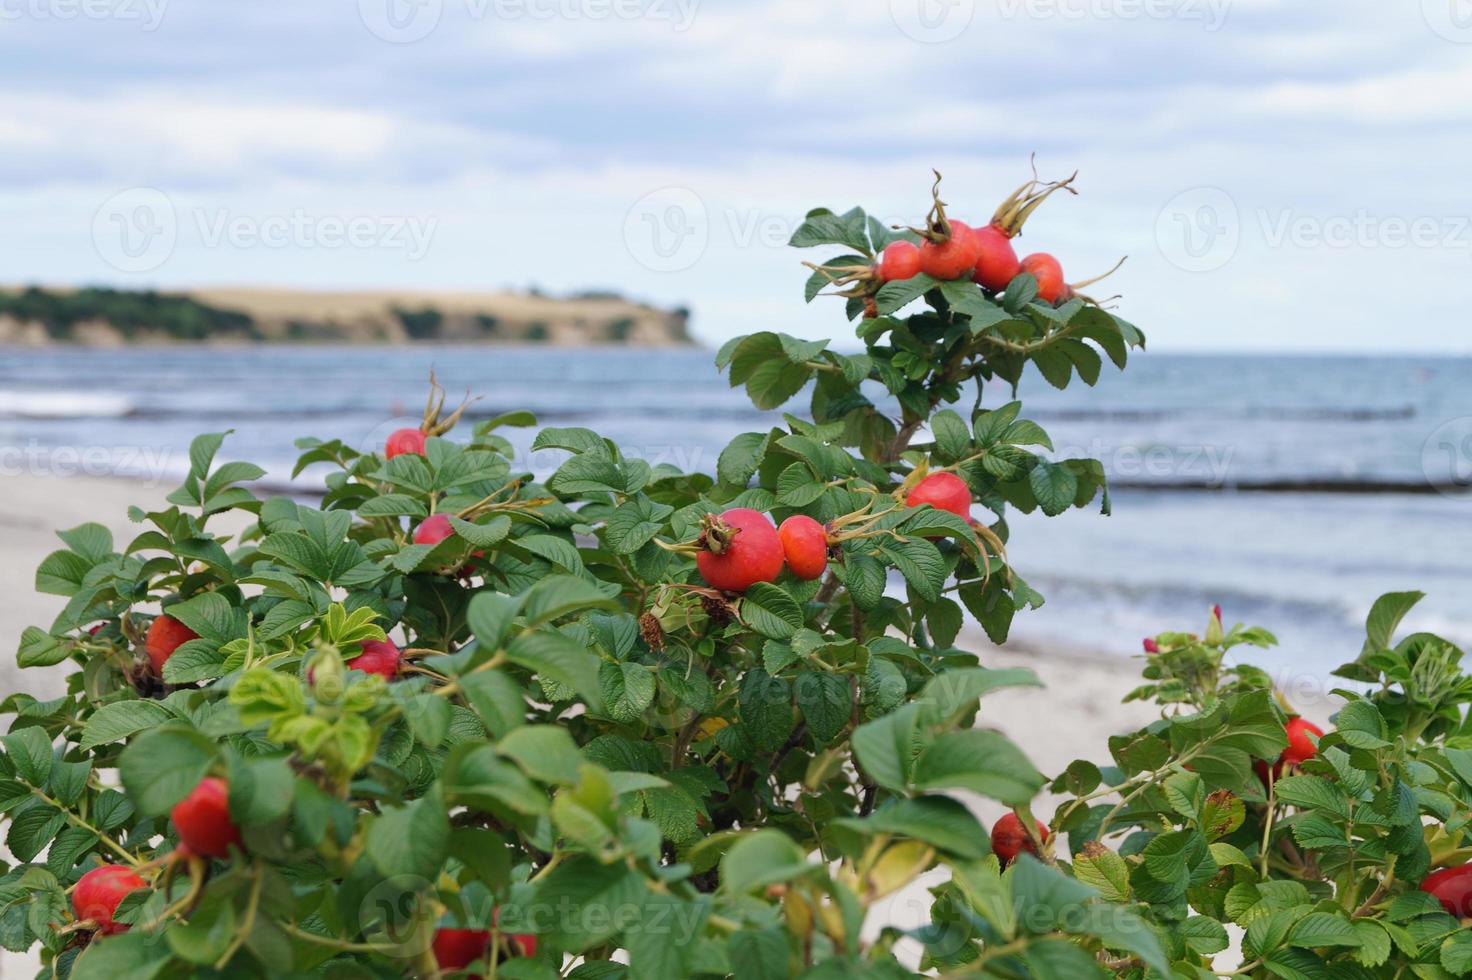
column 410, row 441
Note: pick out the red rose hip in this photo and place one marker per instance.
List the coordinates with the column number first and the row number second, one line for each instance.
column 1300, row 748
column 379, row 657
column 943, row 491
column 1009, row 838
column 455, row 949
column 404, row 441
column 899, row 260
column 1049, row 274
column 1452, row 887
column 805, row 546
column 433, row 529
column 202, row 819
column 99, row 893
column 996, row 259
column 165, row 635
column 950, row 259
column 741, row 548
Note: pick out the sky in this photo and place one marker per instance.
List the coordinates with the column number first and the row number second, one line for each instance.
column 1282, row 175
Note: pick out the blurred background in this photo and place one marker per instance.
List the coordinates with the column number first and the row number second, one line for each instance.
column 277, row 217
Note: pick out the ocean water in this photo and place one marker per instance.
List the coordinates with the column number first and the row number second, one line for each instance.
column 1219, row 463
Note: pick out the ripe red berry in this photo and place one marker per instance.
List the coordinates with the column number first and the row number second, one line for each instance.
column 524, row 943
column 99, row 892
column 752, row 554
column 996, row 259
column 943, row 491
column 1452, row 887
column 1049, row 274
column 950, row 259
column 1009, row 838
column 166, row 635
column 455, row 949
column 433, row 529
column 899, row 260
column 202, row 819
column 404, row 441
column 1300, row 747
column 379, row 657
column 1299, row 750
column 805, row 545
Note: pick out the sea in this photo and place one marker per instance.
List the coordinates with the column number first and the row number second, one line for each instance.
column 1290, row 490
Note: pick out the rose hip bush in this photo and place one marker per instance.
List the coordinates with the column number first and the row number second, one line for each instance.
column 631, row 721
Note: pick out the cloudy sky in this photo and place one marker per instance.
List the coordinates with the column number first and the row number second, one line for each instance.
column 1282, row 175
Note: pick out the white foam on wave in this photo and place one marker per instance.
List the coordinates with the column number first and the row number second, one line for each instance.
column 63, row 405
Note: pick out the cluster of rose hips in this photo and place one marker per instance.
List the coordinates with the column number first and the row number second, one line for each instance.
column 741, row 547
column 948, row 249
column 202, row 823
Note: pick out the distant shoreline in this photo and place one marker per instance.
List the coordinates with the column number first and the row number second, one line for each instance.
column 100, row 317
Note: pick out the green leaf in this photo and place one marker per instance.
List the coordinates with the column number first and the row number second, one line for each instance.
column 559, row 658
column 1105, row 871
column 1385, row 616
column 161, row 766
column 770, row 611
column 628, row 690
column 952, row 434
column 982, row 761
column 887, row 747
column 498, row 700
column 119, row 720
column 952, row 692
column 40, row 649
column 260, row 789
column 1054, row 486
column 921, row 564
column 31, row 753
column 766, row 708
column 937, row 820
column 739, row 460
column 761, row 858
column 560, row 595
column 545, row 752
column 412, row 839
column 133, row 955
column 825, row 702
column 1323, row 929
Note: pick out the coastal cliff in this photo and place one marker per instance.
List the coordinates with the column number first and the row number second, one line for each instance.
column 37, row 316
